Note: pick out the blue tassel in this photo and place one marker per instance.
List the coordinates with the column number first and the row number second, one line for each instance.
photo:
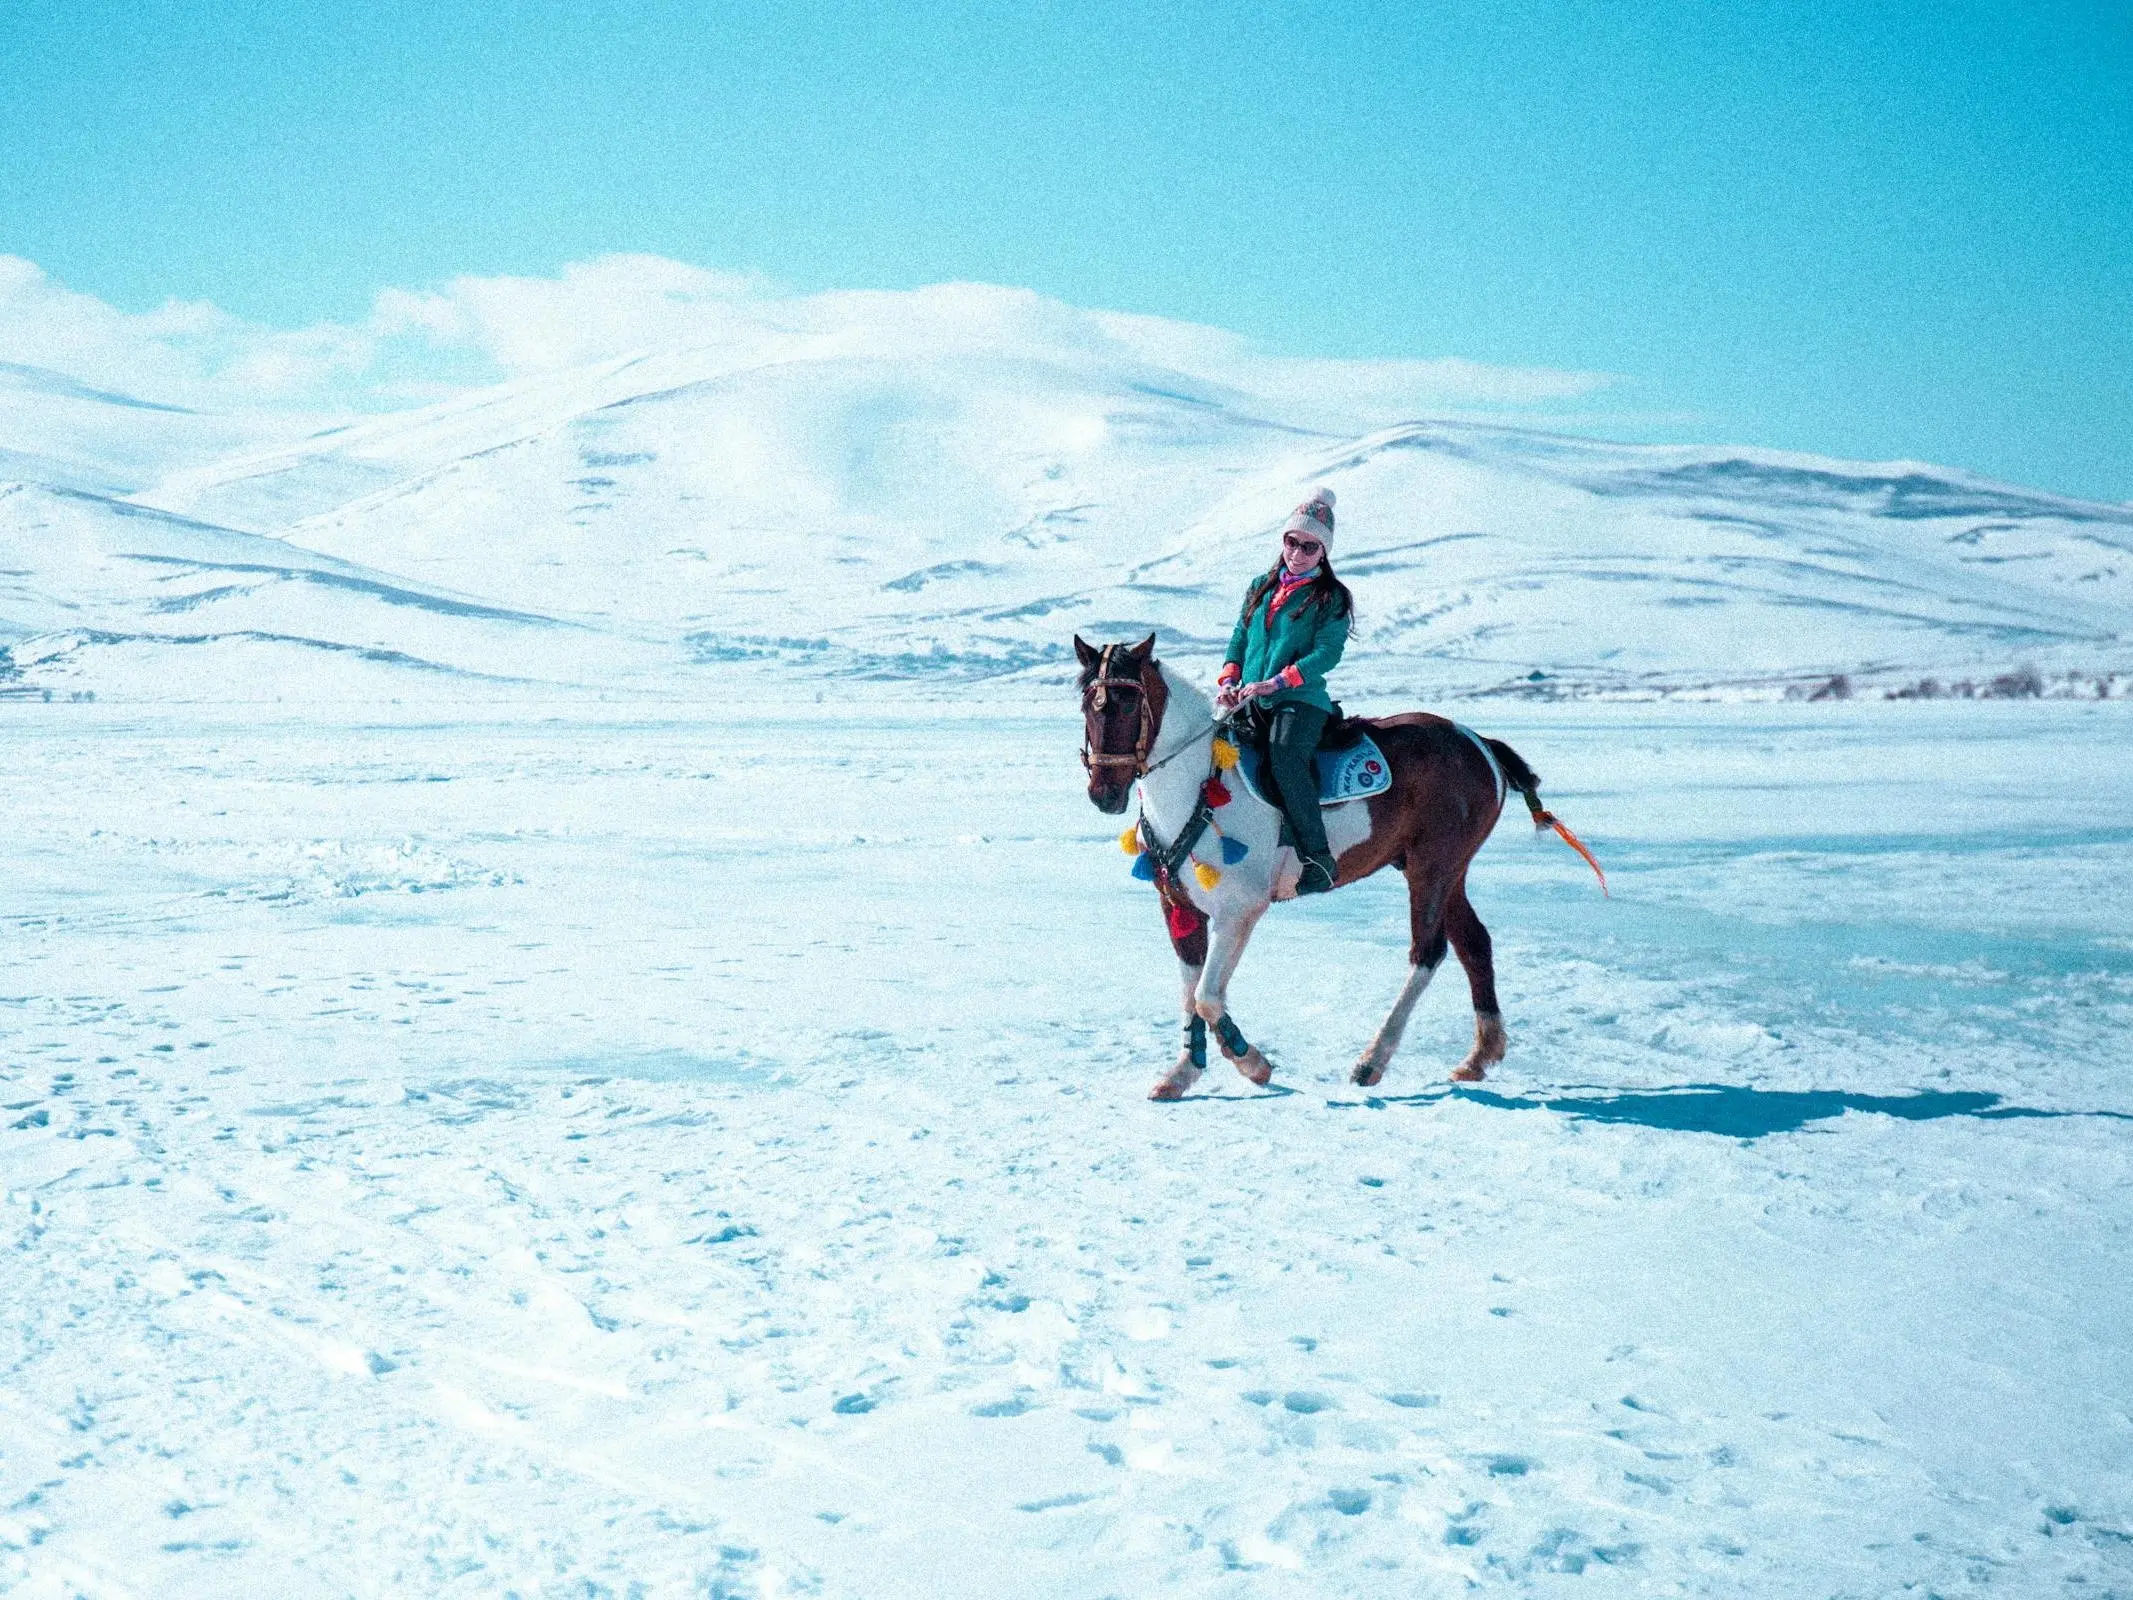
column 1144, row 868
column 1234, row 851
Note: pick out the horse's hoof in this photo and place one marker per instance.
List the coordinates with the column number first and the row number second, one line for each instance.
column 1470, row 1072
column 1366, row 1076
column 1257, row 1070
column 1173, row 1084
column 1490, row 1044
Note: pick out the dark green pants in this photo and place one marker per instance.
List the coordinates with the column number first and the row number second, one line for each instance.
column 1291, row 742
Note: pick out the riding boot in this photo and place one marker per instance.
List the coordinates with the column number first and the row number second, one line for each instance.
column 1291, row 749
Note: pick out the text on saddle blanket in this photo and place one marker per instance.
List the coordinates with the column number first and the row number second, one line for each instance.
column 1353, row 772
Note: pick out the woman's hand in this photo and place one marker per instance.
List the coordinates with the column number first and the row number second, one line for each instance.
column 1229, row 696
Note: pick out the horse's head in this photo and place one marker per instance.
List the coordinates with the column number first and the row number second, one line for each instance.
column 1122, row 698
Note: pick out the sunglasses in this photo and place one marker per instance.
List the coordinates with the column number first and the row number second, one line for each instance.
column 1305, row 547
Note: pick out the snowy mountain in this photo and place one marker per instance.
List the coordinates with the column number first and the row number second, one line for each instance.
column 149, row 595
column 57, row 431
column 954, row 481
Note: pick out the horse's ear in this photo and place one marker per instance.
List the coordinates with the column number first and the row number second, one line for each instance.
column 1144, row 650
column 1088, row 653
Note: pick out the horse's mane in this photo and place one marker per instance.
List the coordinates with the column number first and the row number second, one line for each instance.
column 1184, row 692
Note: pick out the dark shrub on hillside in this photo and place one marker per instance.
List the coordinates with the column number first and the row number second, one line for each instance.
column 2024, row 683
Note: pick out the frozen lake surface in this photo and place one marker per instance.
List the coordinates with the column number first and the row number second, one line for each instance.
column 589, row 1150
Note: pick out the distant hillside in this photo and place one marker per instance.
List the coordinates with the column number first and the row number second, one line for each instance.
column 882, row 501
column 103, row 593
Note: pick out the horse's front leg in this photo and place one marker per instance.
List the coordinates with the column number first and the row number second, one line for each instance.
column 1230, row 931
column 1192, row 1053
column 1188, row 939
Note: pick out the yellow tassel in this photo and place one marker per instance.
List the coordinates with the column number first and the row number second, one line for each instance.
column 1130, row 840
column 1225, row 754
column 1204, row 875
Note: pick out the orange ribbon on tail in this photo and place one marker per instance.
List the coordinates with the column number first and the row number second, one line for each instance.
column 1578, row 845
column 1543, row 818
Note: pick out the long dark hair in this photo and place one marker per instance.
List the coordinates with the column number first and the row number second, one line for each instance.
column 1326, row 589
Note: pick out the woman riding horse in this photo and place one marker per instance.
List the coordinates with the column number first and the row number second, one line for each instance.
column 1289, row 635
column 1150, row 735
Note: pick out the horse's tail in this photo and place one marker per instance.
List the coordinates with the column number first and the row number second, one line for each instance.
column 1527, row 782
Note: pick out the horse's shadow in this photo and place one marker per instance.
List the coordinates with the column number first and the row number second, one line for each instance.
column 1265, row 1091
column 1729, row 1110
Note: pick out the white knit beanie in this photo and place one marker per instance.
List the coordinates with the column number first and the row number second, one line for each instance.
column 1315, row 517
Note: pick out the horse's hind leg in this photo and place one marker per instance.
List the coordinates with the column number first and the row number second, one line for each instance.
column 1477, row 954
column 1425, row 954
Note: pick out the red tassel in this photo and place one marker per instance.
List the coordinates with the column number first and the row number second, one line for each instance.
column 1184, row 922
column 1216, row 793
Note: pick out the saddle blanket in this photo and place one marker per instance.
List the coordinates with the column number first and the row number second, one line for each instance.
column 1355, row 773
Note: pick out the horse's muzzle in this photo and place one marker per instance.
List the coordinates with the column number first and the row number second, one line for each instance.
column 1109, row 798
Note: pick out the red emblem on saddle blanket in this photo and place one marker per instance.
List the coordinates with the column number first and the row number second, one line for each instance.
column 1371, row 767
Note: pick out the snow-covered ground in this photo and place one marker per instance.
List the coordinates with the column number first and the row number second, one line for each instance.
column 578, row 1149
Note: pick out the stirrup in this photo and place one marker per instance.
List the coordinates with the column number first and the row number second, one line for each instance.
column 1317, row 875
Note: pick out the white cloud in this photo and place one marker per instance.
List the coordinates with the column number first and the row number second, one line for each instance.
column 419, row 345
column 182, row 352
column 596, row 309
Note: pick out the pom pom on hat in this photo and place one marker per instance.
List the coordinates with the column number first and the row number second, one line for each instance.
column 1314, row 517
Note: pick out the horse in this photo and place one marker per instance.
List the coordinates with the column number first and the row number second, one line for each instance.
column 1145, row 726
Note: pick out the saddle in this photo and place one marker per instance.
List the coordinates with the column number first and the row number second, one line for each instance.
column 1349, row 764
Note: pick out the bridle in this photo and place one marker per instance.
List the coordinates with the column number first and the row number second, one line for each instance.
column 1096, row 697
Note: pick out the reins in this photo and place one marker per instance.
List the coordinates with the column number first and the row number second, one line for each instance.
column 1189, row 741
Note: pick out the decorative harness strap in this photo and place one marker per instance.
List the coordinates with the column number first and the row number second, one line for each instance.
column 1166, row 861
column 1169, row 859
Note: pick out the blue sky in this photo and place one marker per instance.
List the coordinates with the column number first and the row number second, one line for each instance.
column 1887, row 230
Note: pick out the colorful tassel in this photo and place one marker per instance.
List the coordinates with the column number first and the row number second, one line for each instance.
column 1234, row 851
column 1216, row 792
column 1204, row 875
column 1130, row 840
column 1144, row 868
column 1184, row 921
column 1225, row 754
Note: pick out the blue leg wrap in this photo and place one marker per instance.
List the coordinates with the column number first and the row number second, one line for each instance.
column 1232, row 1036
column 1196, row 1041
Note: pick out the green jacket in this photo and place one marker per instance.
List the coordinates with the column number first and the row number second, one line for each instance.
column 1305, row 636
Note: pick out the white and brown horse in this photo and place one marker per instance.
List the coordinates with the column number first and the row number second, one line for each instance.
column 1146, row 727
